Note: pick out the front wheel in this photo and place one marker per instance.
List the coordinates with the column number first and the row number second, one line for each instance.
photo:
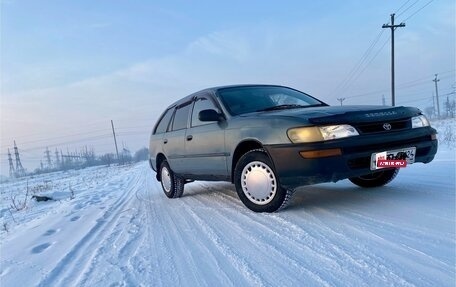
column 375, row 179
column 257, row 184
column 172, row 185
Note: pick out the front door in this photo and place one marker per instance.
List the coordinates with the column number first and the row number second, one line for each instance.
column 205, row 143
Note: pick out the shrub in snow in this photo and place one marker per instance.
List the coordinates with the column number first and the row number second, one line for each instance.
column 17, row 204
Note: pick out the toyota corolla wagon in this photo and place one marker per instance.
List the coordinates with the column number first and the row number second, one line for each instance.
column 268, row 140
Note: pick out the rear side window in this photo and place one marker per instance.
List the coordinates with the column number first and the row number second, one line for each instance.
column 164, row 122
column 181, row 117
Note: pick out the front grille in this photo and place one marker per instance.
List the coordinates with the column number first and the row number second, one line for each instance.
column 378, row 127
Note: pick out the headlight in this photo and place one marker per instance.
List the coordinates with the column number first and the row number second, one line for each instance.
column 305, row 135
column 315, row 134
column 420, row 122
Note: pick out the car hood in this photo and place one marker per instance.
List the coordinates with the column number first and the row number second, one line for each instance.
column 342, row 114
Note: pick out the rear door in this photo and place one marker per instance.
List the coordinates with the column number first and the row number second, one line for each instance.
column 174, row 139
column 156, row 140
column 205, row 142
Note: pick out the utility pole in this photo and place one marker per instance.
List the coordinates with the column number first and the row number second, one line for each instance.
column 57, row 158
column 437, row 95
column 433, row 104
column 115, row 140
column 48, row 157
column 61, row 158
column 341, row 100
column 392, row 27
column 383, row 100
column 11, row 166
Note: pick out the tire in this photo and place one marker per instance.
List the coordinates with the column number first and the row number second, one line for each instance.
column 375, row 179
column 172, row 185
column 257, row 184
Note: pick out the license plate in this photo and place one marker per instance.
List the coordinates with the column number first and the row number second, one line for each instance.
column 407, row 154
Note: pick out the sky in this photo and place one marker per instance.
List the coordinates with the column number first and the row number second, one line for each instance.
column 69, row 67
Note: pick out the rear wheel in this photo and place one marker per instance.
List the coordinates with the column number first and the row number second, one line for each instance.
column 257, row 184
column 172, row 185
column 375, row 179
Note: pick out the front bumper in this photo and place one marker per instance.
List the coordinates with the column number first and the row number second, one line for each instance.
column 293, row 170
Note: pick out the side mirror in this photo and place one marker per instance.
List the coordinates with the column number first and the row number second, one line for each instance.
column 209, row 116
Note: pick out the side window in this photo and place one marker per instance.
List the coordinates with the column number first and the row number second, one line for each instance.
column 162, row 126
column 201, row 104
column 181, row 117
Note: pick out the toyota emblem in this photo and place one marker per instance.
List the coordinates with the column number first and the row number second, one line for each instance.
column 386, row 126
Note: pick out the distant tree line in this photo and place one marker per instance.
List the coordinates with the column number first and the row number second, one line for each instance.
column 448, row 111
column 88, row 158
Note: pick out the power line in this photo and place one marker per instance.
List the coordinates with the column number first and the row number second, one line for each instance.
column 409, row 84
column 63, row 136
column 71, row 142
column 372, row 59
column 419, row 10
column 85, row 126
column 402, row 6
column 354, row 70
column 413, row 4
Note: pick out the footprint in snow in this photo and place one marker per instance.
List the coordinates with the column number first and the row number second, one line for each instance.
column 40, row 248
column 75, row 218
column 50, row 232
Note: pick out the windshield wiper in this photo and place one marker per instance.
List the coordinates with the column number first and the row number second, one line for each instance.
column 287, row 106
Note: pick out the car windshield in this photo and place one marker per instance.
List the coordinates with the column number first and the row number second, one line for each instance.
column 242, row 100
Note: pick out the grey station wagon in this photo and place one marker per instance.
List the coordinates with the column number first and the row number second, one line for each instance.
column 268, row 140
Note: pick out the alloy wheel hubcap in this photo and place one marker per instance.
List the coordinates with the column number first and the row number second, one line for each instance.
column 166, row 179
column 258, row 182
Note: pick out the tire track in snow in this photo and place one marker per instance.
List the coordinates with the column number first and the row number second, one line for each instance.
column 73, row 264
column 291, row 248
column 350, row 251
column 127, row 238
column 252, row 277
column 249, row 274
column 322, row 244
column 364, row 236
column 153, row 263
column 407, row 232
column 184, row 246
column 289, row 261
column 165, row 266
column 188, row 246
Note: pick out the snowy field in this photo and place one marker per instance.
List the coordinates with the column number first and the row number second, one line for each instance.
column 119, row 229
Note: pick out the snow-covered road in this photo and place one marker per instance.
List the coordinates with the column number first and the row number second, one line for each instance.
column 120, row 230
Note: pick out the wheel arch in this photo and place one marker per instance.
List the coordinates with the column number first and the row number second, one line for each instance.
column 242, row 148
column 160, row 158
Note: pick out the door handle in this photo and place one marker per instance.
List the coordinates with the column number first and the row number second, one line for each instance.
column 189, row 137
column 165, row 141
